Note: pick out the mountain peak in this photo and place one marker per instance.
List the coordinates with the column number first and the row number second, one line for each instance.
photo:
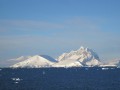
column 82, row 48
column 84, row 55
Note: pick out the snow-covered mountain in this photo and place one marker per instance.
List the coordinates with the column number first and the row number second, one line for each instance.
column 113, row 63
column 79, row 58
column 83, row 57
column 21, row 58
column 16, row 60
column 36, row 61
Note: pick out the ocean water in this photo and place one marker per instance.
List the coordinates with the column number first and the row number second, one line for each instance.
column 60, row 79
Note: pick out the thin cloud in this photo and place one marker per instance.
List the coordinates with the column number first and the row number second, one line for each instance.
column 76, row 23
column 84, row 24
column 28, row 25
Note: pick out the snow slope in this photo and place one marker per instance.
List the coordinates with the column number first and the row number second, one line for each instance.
column 113, row 63
column 36, row 61
column 80, row 57
column 68, row 63
column 17, row 60
column 22, row 58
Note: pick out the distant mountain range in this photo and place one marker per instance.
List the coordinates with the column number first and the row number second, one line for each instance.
column 83, row 57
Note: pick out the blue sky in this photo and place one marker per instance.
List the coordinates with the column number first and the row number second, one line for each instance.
column 29, row 27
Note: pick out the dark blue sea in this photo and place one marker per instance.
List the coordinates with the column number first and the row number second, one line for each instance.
column 60, row 79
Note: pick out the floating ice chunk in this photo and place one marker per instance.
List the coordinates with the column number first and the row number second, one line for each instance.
column 16, row 79
column 13, row 79
column 105, row 68
column 16, row 82
column 112, row 68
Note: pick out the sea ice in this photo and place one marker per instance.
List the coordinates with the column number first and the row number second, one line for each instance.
column 105, row 68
